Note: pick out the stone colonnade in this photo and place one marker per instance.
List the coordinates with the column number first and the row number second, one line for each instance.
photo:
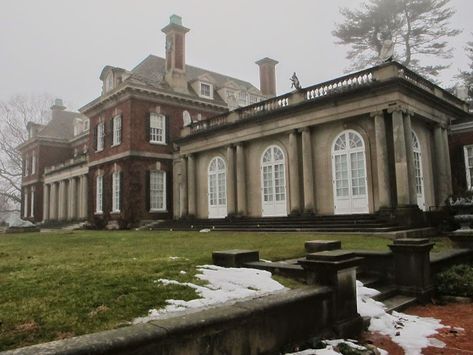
column 65, row 199
column 393, row 191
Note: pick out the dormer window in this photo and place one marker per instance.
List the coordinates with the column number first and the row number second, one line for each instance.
column 206, row 90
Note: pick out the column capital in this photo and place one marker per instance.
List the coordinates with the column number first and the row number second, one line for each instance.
column 397, row 108
column 304, row 129
column 376, row 113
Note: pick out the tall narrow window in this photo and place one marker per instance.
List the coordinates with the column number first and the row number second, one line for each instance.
column 33, row 163
column 468, row 151
column 157, row 193
column 27, row 165
column 99, row 194
column 100, row 136
column 25, row 204
column 116, row 192
column 157, row 128
column 32, row 203
column 117, row 130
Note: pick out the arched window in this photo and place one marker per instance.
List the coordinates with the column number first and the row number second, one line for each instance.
column 349, row 174
column 273, row 182
column 418, row 171
column 217, row 185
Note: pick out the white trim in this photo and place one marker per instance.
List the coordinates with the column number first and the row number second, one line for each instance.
column 117, row 132
column 99, row 194
column 25, row 203
column 273, row 207
column 157, row 128
column 156, row 191
column 32, row 197
column 217, row 210
column 467, row 166
column 211, row 90
column 100, row 136
column 418, row 156
column 116, row 187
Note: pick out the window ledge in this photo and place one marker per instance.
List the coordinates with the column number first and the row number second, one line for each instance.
column 115, row 145
column 157, row 143
column 115, row 212
column 98, row 213
column 157, row 211
column 99, row 150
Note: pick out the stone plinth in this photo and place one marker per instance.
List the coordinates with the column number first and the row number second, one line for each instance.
column 337, row 269
column 314, row 246
column 412, row 266
column 234, row 258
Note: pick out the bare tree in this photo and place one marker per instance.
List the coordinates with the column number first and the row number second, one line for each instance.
column 15, row 114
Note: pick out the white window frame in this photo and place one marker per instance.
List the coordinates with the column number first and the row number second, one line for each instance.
column 100, row 136
column 33, row 163
column 99, row 194
column 117, row 130
column 467, row 166
column 154, row 191
column 116, row 176
column 27, row 169
column 157, row 128
column 32, row 203
column 243, row 98
column 201, row 91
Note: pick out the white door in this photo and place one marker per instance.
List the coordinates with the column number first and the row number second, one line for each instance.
column 418, row 171
column 217, row 188
column 350, row 188
column 273, row 182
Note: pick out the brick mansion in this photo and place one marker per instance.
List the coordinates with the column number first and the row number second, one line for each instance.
column 167, row 140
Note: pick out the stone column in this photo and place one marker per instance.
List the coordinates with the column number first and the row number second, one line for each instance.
column 72, row 199
column 191, row 184
column 84, row 197
column 410, row 159
column 382, row 162
column 307, row 171
column 241, row 179
column 53, row 202
column 231, row 208
column 46, row 188
column 62, row 201
column 441, row 179
column 183, row 189
column 294, row 174
column 400, row 158
column 447, row 161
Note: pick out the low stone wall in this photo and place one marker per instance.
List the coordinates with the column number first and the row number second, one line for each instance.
column 259, row 326
column 445, row 259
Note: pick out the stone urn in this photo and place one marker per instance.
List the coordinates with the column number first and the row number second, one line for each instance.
column 463, row 207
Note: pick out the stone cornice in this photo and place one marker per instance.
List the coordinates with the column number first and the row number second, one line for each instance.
column 130, row 153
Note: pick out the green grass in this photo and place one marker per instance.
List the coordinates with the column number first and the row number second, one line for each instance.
column 62, row 284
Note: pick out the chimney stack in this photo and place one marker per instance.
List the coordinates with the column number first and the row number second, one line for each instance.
column 58, row 105
column 176, row 54
column 267, row 76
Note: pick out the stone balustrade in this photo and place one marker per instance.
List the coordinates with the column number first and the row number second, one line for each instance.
column 382, row 73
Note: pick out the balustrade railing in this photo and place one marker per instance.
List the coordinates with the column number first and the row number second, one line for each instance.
column 346, row 83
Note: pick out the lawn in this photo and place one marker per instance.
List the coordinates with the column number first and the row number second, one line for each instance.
column 58, row 285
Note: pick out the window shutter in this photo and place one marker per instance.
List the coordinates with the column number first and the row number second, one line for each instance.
column 147, row 127
column 166, row 125
column 147, row 190
column 95, row 137
column 112, row 132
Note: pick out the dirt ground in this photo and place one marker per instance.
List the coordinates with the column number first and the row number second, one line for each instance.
column 453, row 315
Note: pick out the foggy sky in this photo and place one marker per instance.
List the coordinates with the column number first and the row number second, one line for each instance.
column 60, row 46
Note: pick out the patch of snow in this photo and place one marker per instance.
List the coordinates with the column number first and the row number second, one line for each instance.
column 331, row 346
column 205, row 230
column 182, row 272
column 410, row 332
column 15, row 221
column 224, row 285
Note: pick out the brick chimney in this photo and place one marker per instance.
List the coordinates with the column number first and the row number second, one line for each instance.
column 58, row 105
column 176, row 54
column 267, row 76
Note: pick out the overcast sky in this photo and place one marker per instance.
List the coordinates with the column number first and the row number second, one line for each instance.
column 60, row 46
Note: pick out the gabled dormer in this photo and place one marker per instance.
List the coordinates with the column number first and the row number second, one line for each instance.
column 204, row 86
column 112, row 77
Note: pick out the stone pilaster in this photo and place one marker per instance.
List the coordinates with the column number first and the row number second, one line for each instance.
column 183, row 189
column 294, row 174
column 53, row 209
column 84, row 194
column 307, row 171
column 410, row 158
column 382, row 161
column 62, row 201
column 46, row 189
column 400, row 158
column 231, row 205
column 191, row 185
column 447, row 161
column 241, row 179
column 441, row 176
column 72, row 199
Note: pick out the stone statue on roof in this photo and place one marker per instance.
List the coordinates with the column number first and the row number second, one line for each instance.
column 387, row 50
column 295, row 82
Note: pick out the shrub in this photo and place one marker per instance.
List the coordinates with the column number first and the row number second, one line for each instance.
column 455, row 281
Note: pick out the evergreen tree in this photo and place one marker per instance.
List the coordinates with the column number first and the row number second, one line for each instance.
column 419, row 28
column 467, row 76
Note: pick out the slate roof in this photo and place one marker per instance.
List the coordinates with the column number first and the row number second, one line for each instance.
column 61, row 125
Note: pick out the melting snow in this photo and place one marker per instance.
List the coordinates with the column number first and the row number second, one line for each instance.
column 224, row 284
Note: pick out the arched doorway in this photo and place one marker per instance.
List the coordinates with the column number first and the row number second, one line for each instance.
column 418, row 172
column 350, row 188
column 273, row 182
column 217, row 181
